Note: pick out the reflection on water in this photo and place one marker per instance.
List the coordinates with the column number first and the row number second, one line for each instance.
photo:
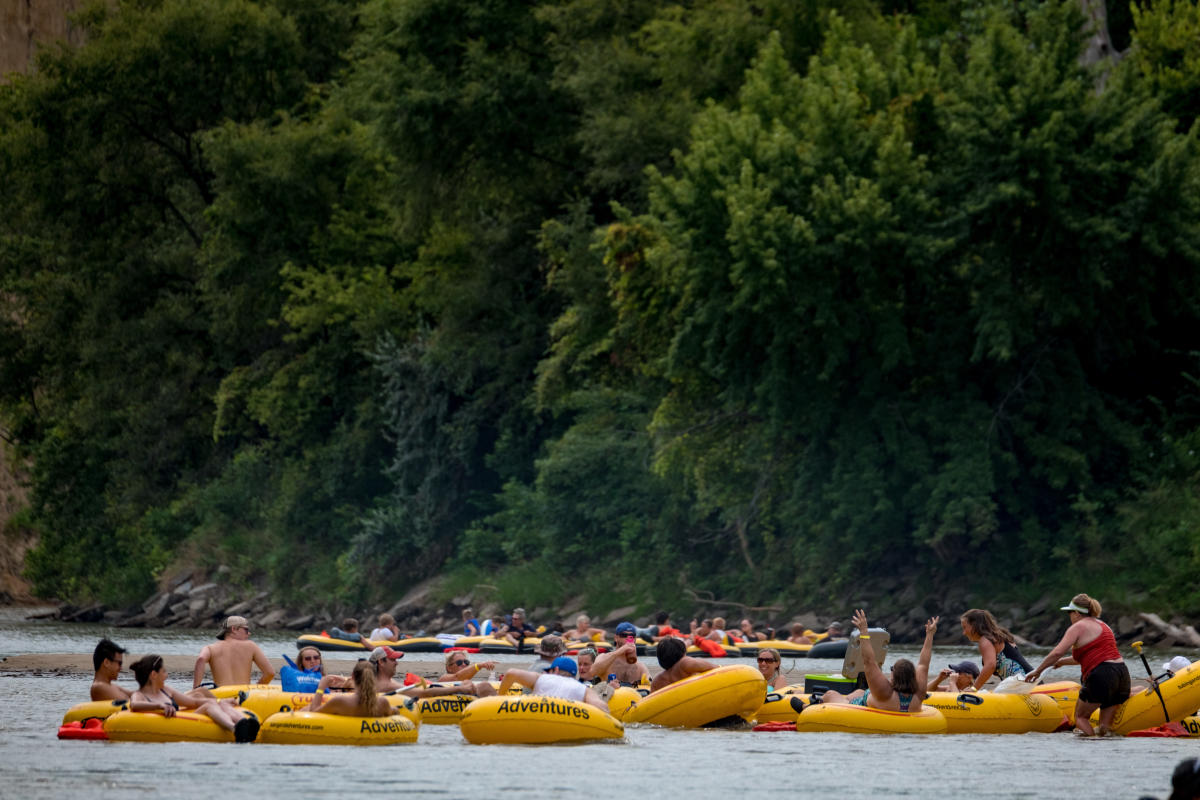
column 35, row 764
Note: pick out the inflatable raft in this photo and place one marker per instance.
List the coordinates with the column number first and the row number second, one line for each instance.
column 777, row 707
column 1180, row 693
column 531, row 719
column 93, row 709
column 152, row 726
column 845, row 718
column 710, row 697
column 834, row 649
column 266, row 702
column 968, row 712
column 786, row 649
column 313, row 727
column 445, row 710
column 328, row 643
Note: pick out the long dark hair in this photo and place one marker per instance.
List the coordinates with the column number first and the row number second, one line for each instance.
column 983, row 623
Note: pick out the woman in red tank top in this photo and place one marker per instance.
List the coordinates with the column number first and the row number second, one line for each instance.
column 1102, row 670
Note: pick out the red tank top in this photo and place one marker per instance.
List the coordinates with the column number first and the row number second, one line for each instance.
column 1097, row 651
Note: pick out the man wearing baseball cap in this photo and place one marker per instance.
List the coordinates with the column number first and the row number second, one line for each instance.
column 622, row 660
column 231, row 657
column 959, row 677
column 384, row 660
column 558, row 681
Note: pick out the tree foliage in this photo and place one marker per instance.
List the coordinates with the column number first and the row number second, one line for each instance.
column 342, row 295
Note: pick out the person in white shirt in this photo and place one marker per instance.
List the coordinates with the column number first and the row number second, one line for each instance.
column 558, row 681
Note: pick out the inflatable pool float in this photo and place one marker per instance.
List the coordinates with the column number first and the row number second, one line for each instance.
column 785, row 648
column 266, row 702
column 969, row 712
column 845, row 718
column 91, row 729
column 93, row 709
column 416, row 644
column 1191, row 724
column 532, row 719
column 777, row 707
column 599, row 647
column 322, row 642
column 834, row 649
column 445, row 710
column 313, row 727
column 1064, row 693
column 734, row 691
column 152, row 726
column 488, row 644
column 1180, row 693
column 235, row 690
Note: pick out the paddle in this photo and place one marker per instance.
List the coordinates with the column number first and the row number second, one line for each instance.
column 1137, row 646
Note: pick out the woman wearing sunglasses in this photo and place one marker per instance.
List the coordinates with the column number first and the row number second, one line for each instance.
column 460, row 668
column 768, row 665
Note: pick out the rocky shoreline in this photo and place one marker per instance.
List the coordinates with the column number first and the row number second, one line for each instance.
column 193, row 601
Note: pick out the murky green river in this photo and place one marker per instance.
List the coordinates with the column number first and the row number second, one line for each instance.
column 651, row 762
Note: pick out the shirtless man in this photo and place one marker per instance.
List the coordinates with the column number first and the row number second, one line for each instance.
column 583, row 630
column 107, row 659
column 676, row 666
column 232, row 655
column 622, row 660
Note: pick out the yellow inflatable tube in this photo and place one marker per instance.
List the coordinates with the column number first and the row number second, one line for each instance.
column 533, row 719
column 313, row 727
column 445, row 710
column 1064, row 693
column 265, row 702
column 93, row 709
column 1180, row 694
column 968, row 712
column 737, row 690
column 845, row 718
column 152, row 726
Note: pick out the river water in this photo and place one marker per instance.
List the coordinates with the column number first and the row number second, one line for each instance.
column 653, row 761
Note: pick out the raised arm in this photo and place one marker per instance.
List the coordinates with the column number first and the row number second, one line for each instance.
column 878, row 683
column 926, row 651
column 604, row 660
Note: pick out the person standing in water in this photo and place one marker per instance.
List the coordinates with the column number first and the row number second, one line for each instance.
column 1102, row 670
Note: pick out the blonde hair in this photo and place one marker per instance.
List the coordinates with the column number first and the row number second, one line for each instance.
column 450, row 656
column 385, row 620
column 364, row 688
column 1083, row 601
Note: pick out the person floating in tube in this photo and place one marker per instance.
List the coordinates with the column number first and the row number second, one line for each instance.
column 903, row 690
